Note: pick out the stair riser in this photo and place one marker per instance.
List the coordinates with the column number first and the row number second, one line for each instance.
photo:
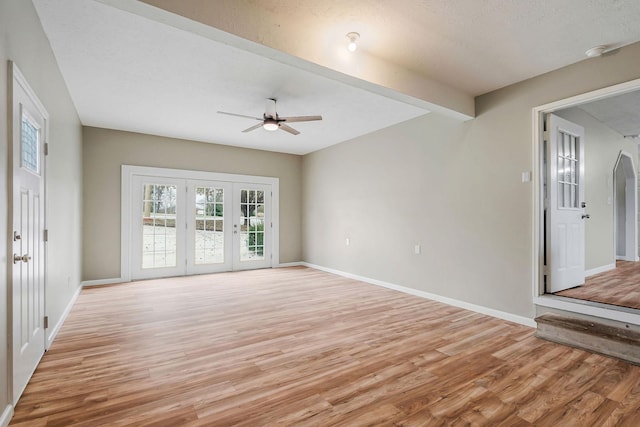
column 628, row 352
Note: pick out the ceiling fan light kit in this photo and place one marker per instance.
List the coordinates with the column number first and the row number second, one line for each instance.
column 271, row 121
column 270, row 125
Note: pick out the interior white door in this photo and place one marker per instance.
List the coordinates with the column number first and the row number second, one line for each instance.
column 208, row 231
column 29, row 121
column 565, row 205
column 252, row 225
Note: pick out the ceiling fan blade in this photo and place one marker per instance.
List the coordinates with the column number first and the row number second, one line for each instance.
column 239, row 115
column 300, row 119
column 289, row 129
column 270, row 108
column 254, row 127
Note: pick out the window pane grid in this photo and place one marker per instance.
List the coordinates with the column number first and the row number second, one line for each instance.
column 29, row 142
column 568, row 166
column 252, row 225
column 159, row 243
column 209, row 230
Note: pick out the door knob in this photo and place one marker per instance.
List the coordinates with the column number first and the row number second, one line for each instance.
column 23, row 258
column 586, row 216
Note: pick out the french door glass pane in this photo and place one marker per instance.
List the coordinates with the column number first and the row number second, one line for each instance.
column 159, row 243
column 209, row 230
column 251, row 225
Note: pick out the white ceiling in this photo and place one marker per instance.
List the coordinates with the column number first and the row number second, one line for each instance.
column 130, row 68
column 130, row 73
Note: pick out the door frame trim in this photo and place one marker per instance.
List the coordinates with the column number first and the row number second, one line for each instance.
column 128, row 171
column 537, row 230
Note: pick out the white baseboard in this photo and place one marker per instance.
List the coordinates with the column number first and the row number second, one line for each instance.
column 449, row 301
column 54, row 331
column 289, row 264
column 6, row 416
column 103, row 282
column 600, row 269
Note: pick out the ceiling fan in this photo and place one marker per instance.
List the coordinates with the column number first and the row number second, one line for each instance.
column 272, row 121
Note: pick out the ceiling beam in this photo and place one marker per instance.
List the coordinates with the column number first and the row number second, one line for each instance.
column 222, row 22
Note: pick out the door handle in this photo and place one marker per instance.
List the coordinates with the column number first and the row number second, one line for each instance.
column 23, row 258
column 586, row 216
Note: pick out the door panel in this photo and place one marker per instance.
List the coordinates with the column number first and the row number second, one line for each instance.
column 209, row 241
column 156, row 228
column 252, row 226
column 28, row 212
column 565, row 205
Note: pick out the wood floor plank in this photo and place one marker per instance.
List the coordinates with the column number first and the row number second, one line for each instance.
column 300, row 347
column 616, row 287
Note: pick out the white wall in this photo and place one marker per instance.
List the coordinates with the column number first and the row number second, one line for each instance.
column 23, row 41
column 455, row 188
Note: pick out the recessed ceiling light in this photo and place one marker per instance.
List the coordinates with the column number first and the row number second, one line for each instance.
column 353, row 41
column 595, row 51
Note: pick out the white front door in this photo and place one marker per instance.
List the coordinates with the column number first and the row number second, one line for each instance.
column 29, row 122
column 565, row 205
column 252, row 226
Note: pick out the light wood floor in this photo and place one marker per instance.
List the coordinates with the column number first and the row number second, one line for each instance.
column 620, row 286
column 301, row 347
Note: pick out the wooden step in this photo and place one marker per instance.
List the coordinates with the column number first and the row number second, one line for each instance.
column 614, row 341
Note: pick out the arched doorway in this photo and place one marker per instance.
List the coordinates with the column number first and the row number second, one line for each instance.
column 625, row 191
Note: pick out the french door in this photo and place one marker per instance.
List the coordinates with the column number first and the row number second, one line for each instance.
column 195, row 226
column 251, row 226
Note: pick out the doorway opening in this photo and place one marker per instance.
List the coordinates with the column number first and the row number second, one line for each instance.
column 179, row 222
column 625, row 212
column 605, row 139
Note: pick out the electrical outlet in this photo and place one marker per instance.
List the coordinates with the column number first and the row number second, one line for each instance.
column 417, row 249
column 347, row 241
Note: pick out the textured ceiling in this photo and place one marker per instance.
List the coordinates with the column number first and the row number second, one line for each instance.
column 167, row 69
column 473, row 45
column 621, row 113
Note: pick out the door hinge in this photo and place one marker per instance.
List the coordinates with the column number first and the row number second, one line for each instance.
column 46, row 322
column 545, row 135
column 45, row 235
column 46, row 148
